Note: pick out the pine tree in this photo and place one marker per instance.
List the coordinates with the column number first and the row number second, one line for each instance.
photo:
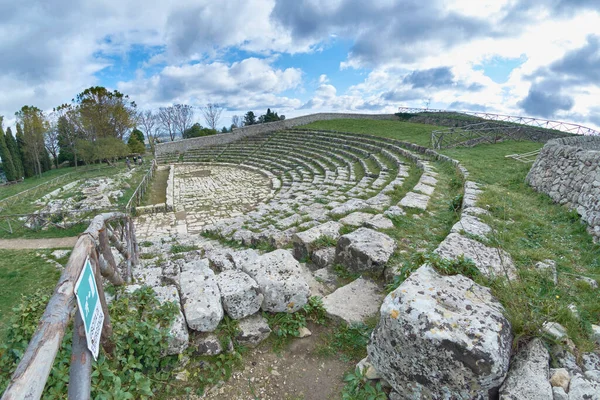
column 7, row 163
column 13, row 148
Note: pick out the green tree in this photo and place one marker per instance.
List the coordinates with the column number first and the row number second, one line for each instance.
column 7, row 162
column 28, row 170
column 104, row 114
column 13, row 148
column 139, row 134
column 269, row 117
column 224, row 130
column 68, row 133
column 135, row 146
column 249, row 118
column 197, row 130
column 35, row 125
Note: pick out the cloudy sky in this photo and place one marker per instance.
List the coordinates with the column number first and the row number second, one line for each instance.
column 520, row 57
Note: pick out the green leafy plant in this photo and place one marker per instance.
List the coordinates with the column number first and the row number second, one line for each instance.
column 455, row 204
column 136, row 370
column 358, row 387
column 315, row 311
column 349, row 342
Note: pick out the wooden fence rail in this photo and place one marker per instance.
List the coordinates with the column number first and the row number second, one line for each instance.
column 19, row 197
column 30, row 377
column 140, row 191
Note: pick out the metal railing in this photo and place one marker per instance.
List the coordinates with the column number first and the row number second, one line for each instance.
column 29, row 379
column 471, row 135
column 561, row 126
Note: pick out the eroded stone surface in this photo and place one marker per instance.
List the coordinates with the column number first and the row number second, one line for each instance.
column 471, row 225
column 441, row 337
column 491, row 262
column 354, row 302
column 527, row 378
column 304, row 242
column 253, row 330
column 364, row 250
column 415, row 200
column 178, row 334
column 200, row 297
column 279, row 277
column 240, row 293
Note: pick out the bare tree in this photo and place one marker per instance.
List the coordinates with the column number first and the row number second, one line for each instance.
column 183, row 114
column 236, row 121
column 51, row 141
column 212, row 114
column 166, row 118
column 149, row 122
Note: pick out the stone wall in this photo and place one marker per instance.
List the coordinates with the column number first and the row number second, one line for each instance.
column 568, row 170
column 182, row 146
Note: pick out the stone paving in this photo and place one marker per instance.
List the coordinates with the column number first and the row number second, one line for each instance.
column 206, row 194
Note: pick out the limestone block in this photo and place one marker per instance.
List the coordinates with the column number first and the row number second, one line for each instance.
column 240, row 293
column 201, row 298
column 490, row 261
column 279, row 277
column 441, row 337
column 253, row 330
column 178, row 339
column 527, row 377
column 364, row 250
column 354, row 302
column 304, row 242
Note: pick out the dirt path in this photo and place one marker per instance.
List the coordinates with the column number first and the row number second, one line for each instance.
column 50, row 243
column 297, row 373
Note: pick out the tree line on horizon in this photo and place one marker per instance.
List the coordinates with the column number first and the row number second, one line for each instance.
column 99, row 125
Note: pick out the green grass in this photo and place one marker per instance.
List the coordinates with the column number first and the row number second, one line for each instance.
column 27, row 206
column 348, row 342
column 532, row 228
column 411, row 132
column 22, row 273
column 424, row 233
column 527, row 224
column 28, row 183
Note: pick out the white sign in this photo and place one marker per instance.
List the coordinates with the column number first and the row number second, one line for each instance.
column 90, row 308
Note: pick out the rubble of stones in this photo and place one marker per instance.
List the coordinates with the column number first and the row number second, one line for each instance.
column 440, row 337
column 66, row 204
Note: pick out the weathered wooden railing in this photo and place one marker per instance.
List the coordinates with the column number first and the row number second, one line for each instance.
column 30, row 377
column 140, row 191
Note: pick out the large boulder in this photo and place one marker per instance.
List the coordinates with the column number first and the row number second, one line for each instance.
column 305, row 242
column 528, row 377
column 441, row 337
column 201, row 297
column 279, row 277
column 178, row 334
column 491, row 262
column 364, row 250
column 240, row 293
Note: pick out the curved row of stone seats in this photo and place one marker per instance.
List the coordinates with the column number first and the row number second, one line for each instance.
column 378, row 201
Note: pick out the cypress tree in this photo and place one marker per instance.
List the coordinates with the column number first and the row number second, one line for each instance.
column 7, row 163
column 46, row 161
column 11, row 143
column 27, row 164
